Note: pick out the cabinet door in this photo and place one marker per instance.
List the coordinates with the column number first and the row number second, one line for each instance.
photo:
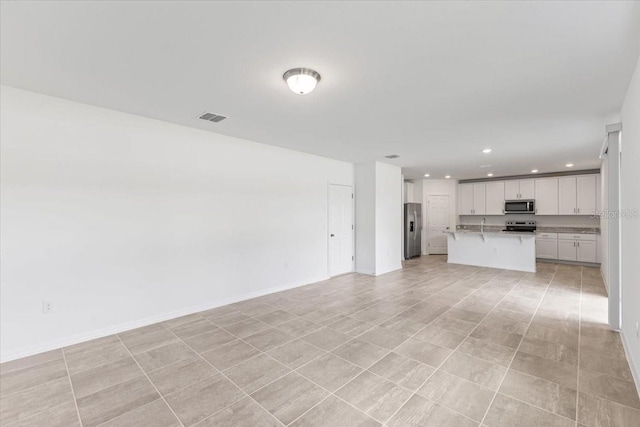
column 527, row 189
column 547, row 248
column 567, row 250
column 408, row 192
column 465, row 199
column 546, row 196
column 511, row 190
column 567, row 196
column 479, row 191
column 587, row 251
column 586, row 194
column 495, row 198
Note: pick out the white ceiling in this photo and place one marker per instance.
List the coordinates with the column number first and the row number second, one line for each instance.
column 433, row 82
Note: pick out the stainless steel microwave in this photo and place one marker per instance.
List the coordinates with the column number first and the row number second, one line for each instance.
column 519, row 206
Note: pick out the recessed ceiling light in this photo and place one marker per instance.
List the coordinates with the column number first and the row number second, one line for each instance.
column 569, row 165
column 486, row 150
column 301, row 80
column 447, row 176
column 534, row 170
column 489, row 174
column 426, row 175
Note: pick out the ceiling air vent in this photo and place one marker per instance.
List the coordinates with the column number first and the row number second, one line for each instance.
column 392, row 156
column 210, row 117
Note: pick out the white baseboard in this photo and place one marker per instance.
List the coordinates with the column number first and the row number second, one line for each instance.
column 122, row 327
column 635, row 369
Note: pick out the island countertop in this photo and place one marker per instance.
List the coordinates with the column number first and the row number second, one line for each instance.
column 489, row 232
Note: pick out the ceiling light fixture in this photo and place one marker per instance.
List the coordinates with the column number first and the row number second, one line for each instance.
column 569, row 165
column 301, row 80
column 426, row 175
column 486, row 150
column 447, row 176
column 534, row 170
column 489, row 174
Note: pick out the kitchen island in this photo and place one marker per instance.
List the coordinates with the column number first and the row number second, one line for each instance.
column 493, row 248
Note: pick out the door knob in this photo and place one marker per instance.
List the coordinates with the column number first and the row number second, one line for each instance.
column 333, row 235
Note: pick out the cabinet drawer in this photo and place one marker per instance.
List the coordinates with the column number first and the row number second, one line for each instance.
column 546, row 235
column 577, row 236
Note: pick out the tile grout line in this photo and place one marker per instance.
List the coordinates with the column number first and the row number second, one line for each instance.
column 330, row 352
column 73, row 393
column 390, row 351
column 329, row 393
column 224, row 375
column 519, row 345
column 151, row 382
column 368, row 306
column 453, row 350
column 351, row 338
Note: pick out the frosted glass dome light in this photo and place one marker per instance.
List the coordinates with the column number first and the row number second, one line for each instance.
column 301, row 80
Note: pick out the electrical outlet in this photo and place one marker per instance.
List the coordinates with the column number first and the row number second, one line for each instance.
column 47, row 307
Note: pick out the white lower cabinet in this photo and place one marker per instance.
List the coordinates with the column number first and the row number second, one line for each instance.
column 547, row 248
column 567, row 250
column 587, row 251
column 577, row 247
column 567, row 247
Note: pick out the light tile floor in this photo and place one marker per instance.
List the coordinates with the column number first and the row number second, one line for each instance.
column 430, row 345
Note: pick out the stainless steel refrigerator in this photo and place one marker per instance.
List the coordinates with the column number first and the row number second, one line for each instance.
column 412, row 229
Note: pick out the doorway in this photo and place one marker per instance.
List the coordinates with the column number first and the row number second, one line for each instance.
column 438, row 222
column 340, row 229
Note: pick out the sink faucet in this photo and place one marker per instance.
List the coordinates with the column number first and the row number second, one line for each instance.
column 482, row 224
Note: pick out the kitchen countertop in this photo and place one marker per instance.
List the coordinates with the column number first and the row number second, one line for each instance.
column 500, row 228
column 576, row 230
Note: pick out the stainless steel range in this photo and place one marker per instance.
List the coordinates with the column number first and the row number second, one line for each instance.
column 520, row 226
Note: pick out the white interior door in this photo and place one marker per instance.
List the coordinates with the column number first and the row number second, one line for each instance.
column 438, row 222
column 340, row 229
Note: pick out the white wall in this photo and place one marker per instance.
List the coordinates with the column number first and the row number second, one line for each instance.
column 630, row 225
column 378, row 218
column 365, row 178
column 389, row 211
column 604, row 225
column 122, row 220
column 438, row 187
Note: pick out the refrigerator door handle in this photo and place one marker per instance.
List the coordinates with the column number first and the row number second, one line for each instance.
column 415, row 229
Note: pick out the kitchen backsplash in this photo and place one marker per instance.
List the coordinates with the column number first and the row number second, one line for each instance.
column 541, row 220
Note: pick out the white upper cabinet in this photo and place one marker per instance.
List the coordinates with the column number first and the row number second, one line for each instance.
column 567, row 196
column 465, row 199
column 471, row 199
column 479, row 194
column 577, row 195
column 495, row 198
column 511, row 190
column 521, row 189
column 546, row 195
column 408, row 192
column 527, row 189
column 586, row 194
